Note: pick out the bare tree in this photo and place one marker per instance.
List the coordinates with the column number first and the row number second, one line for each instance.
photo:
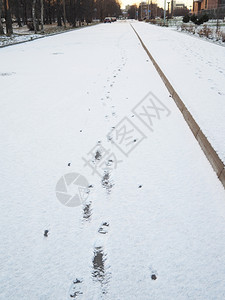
column 8, row 18
column 64, row 13
column 107, row 8
column 1, row 26
column 17, row 11
column 58, row 9
column 34, row 15
column 42, row 16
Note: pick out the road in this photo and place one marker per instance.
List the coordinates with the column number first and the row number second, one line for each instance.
column 90, row 102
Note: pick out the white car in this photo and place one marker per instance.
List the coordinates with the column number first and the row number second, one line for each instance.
column 107, row 20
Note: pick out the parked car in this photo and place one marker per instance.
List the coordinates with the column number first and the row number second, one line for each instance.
column 113, row 19
column 107, row 20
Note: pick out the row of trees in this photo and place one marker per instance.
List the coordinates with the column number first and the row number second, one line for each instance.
column 40, row 12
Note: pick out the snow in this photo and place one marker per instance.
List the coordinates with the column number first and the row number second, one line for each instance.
column 23, row 34
column 15, row 38
column 196, row 69
column 165, row 208
column 207, row 31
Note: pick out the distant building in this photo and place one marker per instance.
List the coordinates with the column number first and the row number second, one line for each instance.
column 209, row 6
column 149, row 10
column 178, row 8
column 199, row 5
column 178, row 4
column 143, row 11
column 124, row 14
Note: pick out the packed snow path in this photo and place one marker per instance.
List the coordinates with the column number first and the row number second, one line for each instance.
column 196, row 69
column 153, row 227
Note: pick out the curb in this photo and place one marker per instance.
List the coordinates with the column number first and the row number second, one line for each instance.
column 212, row 156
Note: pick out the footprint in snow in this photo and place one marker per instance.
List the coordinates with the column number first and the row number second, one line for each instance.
column 109, row 137
column 107, row 182
column 100, row 272
column 103, row 229
column 98, row 155
column 87, row 212
column 76, row 288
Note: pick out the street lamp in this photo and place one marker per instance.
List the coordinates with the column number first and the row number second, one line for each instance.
column 171, row 8
column 168, row 8
column 164, row 13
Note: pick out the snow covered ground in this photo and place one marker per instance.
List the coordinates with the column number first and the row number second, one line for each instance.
column 196, row 69
column 23, row 34
column 14, row 39
column 155, row 228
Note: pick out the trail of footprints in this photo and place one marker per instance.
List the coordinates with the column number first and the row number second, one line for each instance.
column 100, row 272
column 111, row 80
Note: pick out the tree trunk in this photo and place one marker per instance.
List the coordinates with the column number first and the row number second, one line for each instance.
column 1, row 26
column 24, row 12
column 34, row 16
column 59, row 21
column 42, row 16
column 8, row 18
column 17, row 12
column 73, row 13
column 64, row 13
column 48, row 12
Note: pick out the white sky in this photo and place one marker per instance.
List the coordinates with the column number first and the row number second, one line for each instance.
column 160, row 2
